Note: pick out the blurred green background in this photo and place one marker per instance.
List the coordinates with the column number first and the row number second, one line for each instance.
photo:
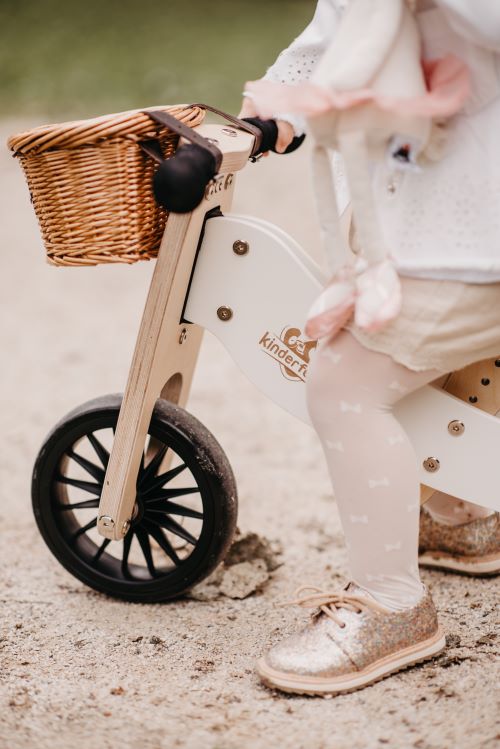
column 63, row 58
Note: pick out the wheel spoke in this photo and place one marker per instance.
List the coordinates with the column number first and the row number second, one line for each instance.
column 153, row 465
column 86, row 486
column 170, row 494
column 100, row 550
column 162, row 541
column 172, row 508
column 96, row 472
column 127, row 542
column 145, row 545
column 101, row 451
column 79, row 505
column 174, row 527
column 161, row 480
column 84, row 529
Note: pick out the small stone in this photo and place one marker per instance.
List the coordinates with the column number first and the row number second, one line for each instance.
column 204, row 665
column 454, row 660
column 453, row 641
column 444, row 692
column 118, row 691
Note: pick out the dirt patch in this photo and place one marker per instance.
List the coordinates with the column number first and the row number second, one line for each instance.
column 246, row 569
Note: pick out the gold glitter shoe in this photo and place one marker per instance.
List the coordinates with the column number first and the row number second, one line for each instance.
column 470, row 548
column 350, row 642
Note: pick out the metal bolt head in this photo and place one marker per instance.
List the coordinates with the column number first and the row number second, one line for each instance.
column 224, row 313
column 456, row 427
column 183, row 335
column 106, row 521
column 240, row 247
column 125, row 527
column 431, row 464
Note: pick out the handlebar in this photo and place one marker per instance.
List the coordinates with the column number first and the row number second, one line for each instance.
column 180, row 182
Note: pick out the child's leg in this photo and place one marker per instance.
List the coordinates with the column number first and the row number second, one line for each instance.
column 350, row 394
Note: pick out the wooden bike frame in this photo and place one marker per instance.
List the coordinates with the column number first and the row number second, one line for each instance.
column 166, row 350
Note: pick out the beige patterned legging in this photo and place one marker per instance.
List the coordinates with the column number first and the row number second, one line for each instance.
column 351, row 391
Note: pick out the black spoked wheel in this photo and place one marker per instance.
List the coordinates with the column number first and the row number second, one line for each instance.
column 185, row 511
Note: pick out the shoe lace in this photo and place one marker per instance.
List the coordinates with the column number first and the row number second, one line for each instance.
column 329, row 603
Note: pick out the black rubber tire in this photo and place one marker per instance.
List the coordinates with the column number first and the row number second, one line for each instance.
column 208, row 464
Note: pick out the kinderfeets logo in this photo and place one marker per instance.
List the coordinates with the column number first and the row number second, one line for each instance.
column 290, row 351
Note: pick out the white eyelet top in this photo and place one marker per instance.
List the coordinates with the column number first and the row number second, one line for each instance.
column 442, row 221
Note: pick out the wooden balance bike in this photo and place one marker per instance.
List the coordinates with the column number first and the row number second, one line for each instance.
column 132, row 494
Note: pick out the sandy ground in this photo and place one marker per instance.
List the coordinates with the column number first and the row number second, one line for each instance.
column 74, row 669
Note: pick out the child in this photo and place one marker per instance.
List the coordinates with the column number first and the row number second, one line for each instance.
column 442, row 223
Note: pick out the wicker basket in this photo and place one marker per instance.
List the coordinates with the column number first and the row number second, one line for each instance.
column 91, row 185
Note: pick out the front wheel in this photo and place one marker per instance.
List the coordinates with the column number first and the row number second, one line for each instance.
column 185, row 511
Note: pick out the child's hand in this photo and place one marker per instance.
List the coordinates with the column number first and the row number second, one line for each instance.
column 285, row 130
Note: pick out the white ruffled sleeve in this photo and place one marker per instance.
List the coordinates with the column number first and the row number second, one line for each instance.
column 476, row 20
column 296, row 62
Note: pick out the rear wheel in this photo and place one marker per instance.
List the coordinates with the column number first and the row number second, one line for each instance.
column 185, row 511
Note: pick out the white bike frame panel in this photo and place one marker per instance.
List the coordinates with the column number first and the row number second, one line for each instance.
column 252, row 287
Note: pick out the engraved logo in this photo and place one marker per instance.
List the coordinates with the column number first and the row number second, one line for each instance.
column 290, row 351
column 218, row 184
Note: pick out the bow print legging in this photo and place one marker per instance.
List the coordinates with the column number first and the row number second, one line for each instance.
column 351, row 392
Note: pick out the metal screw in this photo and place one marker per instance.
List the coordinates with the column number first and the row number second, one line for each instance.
column 431, row 464
column 106, row 521
column 485, row 381
column 473, row 398
column 183, row 335
column 224, row 313
column 456, row 428
column 240, row 247
column 125, row 527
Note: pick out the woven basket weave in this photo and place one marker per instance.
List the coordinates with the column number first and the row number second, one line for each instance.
column 91, row 185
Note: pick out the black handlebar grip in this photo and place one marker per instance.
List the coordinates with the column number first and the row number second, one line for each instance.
column 269, row 130
column 180, row 182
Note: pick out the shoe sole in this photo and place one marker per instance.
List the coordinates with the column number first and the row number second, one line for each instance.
column 328, row 687
column 481, row 566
